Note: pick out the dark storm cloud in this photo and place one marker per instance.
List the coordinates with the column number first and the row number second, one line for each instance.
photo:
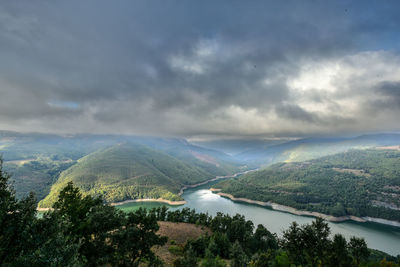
column 185, row 67
column 392, row 91
column 388, row 98
column 296, row 113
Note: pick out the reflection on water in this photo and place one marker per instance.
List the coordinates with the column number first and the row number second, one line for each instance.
column 385, row 238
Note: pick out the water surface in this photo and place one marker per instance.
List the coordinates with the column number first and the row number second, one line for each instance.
column 382, row 237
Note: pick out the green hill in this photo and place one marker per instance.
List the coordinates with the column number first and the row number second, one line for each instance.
column 313, row 148
column 36, row 160
column 358, row 182
column 128, row 171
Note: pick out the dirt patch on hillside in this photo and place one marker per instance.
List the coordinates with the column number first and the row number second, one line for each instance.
column 353, row 171
column 178, row 234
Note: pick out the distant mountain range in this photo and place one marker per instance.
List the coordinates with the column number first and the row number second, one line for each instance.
column 39, row 162
column 124, row 167
column 311, row 148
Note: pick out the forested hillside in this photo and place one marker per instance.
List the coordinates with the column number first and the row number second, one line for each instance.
column 313, row 148
column 358, row 182
column 129, row 171
column 84, row 231
column 36, row 160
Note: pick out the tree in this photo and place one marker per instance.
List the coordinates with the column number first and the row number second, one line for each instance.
column 307, row 244
column 26, row 240
column 260, row 260
column 106, row 235
column 211, row 261
column 239, row 258
column 264, row 240
column 222, row 244
column 339, row 255
column 292, row 242
column 359, row 250
column 80, row 231
column 320, row 235
column 189, row 259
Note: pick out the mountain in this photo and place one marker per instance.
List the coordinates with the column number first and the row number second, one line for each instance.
column 312, row 148
column 357, row 182
column 129, row 171
column 36, row 160
column 237, row 146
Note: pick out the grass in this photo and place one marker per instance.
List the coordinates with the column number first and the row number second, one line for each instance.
column 178, row 234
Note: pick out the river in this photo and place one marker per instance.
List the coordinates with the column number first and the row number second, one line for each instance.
column 377, row 236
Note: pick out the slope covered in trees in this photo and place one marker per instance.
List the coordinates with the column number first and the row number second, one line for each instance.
column 358, row 182
column 83, row 231
column 313, row 148
column 36, row 160
column 235, row 241
column 129, row 171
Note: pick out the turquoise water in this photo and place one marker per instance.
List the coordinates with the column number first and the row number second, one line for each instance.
column 382, row 237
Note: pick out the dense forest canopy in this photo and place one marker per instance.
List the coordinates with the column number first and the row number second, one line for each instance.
column 358, row 182
column 84, row 231
column 116, row 167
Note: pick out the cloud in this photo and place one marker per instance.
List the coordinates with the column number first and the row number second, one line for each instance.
column 391, row 93
column 194, row 68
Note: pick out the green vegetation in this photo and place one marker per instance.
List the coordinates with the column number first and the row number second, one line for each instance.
column 235, row 242
column 37, row 160
column 83, row 231
column 358, row 182
column 313, row 148
column 35, row 175
column 128, row 171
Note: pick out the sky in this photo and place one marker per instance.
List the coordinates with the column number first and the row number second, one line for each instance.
column 254, row 69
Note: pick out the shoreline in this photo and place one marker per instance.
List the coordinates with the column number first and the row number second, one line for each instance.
column 44, row 209
column 294, row 211
column 161, row 200
column 216, row 178
column 180, row 202
column 169, row 202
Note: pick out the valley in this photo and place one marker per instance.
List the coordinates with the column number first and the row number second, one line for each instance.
column 356, row 184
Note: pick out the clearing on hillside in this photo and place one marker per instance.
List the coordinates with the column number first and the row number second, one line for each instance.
column 178, row 234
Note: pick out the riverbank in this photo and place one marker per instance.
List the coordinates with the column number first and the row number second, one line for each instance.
column 161, row 200
column 43, row 209
column 294, row 211
column 169, row 202
column 212, row 180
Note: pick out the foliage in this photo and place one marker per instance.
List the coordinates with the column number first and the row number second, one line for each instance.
column 358, row 182
column 128, row 171
column 189, row 259
column 233, row 238
column 83, row 231
column 239, row 258
column 35, row 175
column 36, row 161
column 80, row 231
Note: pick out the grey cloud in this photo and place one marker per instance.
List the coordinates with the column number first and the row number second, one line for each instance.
column 390, row 90
column 295, row 112
column 387, row 97
column 115, row 60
